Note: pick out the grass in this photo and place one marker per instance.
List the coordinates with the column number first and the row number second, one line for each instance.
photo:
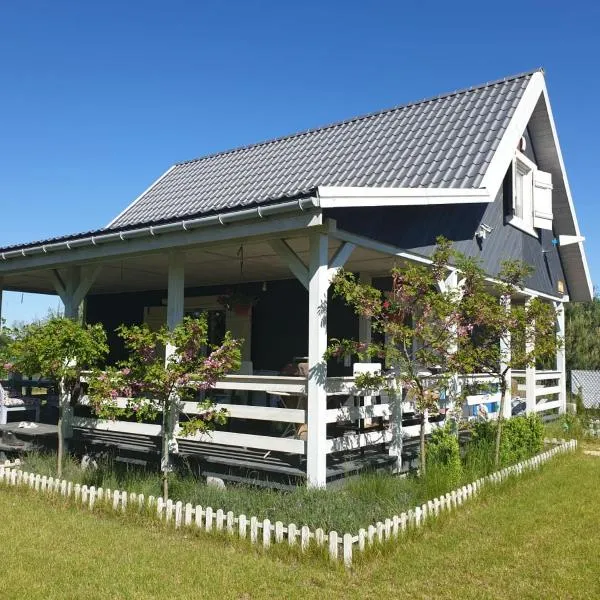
column 535, row 537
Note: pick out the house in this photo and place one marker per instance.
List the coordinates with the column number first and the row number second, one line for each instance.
column 275, row 220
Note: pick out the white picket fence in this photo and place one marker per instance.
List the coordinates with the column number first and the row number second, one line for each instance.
column 264, row 532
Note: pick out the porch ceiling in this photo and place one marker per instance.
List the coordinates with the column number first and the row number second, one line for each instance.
column 204, row 266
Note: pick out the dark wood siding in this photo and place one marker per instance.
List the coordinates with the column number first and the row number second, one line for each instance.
column 416, row 228
column 279, row 320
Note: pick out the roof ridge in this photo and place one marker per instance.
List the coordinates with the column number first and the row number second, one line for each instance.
column 361, row 117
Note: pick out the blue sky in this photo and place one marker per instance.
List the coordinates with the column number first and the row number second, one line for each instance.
column 99, row 98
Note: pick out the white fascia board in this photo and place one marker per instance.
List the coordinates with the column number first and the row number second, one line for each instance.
column 359, row 197
column 505, row 153
column 140, row 196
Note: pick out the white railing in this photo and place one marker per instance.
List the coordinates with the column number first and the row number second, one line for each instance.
column 541, row 401
column 352, row 415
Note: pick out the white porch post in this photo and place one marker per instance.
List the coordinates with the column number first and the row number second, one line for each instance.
column 175, row 314
column 530, row 374
column 561, row 362
column 318, row 282
column 364, row 337
column 3, row 412
column 505, row 359
column 69, row 299
column 175, row 293
column 1, row 290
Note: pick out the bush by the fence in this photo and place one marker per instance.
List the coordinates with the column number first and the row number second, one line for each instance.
column 443, row 455
column 522, row 437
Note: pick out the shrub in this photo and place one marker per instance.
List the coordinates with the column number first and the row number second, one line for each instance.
column 522, row 437
column 443, row 456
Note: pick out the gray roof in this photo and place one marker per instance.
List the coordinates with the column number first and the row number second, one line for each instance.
column 446, row 142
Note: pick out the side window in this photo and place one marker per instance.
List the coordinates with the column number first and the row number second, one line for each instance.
column 531, row 203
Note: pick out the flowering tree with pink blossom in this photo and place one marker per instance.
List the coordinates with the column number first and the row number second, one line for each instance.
column 502, row 334
column 59, row 349
column 419, row 323
column 152, row 385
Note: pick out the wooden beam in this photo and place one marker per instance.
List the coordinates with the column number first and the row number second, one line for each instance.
column 291, row 259
column 58, row 284
column 88, row 276
column 339, row 259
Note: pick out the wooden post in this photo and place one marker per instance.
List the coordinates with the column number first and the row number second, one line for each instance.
column 505, row 358
column 364, row 337
column 561, row 360
column 530, row 384
column 1, row 291
column 69, row 299
column 316, row 463
column 175, row 313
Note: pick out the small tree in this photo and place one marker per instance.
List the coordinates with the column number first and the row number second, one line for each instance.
column 153, row 385
column 497, row 335
column 58, row 349
column 419, row 324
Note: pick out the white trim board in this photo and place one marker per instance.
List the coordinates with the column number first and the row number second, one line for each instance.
column 360, row 197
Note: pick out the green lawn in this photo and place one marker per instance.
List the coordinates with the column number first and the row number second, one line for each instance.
column 538, row 537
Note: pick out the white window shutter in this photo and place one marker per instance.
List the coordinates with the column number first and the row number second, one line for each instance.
column 542, row 200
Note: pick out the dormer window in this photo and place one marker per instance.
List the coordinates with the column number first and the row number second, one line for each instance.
column 532, row 196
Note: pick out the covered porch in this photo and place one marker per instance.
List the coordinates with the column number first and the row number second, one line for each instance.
column 292, row 414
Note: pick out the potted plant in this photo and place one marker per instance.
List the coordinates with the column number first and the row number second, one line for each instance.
column 238, row 301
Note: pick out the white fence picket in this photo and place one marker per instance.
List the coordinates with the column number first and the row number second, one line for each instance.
column 347, row 546
column 208, row 518
column 189, row 511
column 266, row 533
column 230, row 522
column 242, row 526
column 219, row 520
column 319, row 537
column 278, row 532
column 178, row 513
column 291, row 531
column 304, row 538
column 333, row 545
column 253, row 530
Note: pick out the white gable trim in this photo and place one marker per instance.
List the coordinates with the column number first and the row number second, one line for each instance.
column 140, row 196
column 505, row 153
column 356, row 197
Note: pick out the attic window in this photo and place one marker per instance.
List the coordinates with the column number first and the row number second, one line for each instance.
column 532, row 196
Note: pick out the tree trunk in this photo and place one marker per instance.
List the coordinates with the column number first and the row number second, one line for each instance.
column 499, row 428
column 164, row 462
column 61, row 443
column 424, row 419
column 62, row 401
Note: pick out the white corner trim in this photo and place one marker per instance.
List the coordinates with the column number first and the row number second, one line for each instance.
column 140, row 196
column 353, row 196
